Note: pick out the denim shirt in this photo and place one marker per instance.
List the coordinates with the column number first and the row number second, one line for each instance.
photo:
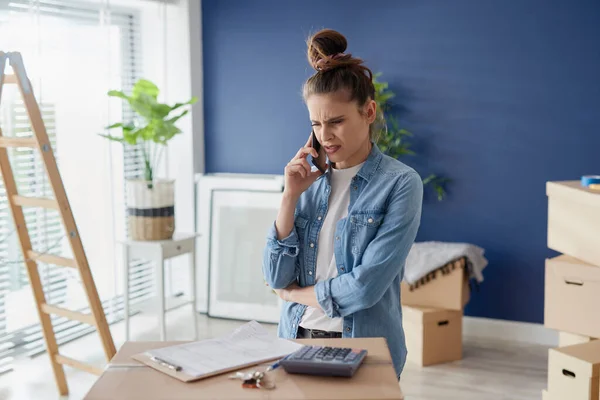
column 371, row 245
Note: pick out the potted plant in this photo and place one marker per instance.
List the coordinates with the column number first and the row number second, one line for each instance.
column 150, row 201
column 392, row 140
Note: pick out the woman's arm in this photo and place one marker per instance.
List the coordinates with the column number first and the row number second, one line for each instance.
column 285, row 217
column 300, row 295
column 281, row 251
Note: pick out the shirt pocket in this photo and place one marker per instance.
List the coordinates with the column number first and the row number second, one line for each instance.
column 364, row 225
column 301, row 223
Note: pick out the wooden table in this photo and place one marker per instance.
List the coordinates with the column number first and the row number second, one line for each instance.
column 125, row 378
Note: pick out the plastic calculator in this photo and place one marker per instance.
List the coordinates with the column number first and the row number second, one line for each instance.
column 324, row 360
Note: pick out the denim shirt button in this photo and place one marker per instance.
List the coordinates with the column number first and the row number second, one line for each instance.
column 348, row 329
column 342, row 268
column 310, row 272
column 312, row 244
column 319, row 218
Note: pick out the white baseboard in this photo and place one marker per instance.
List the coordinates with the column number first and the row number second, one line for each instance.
column 509, row 330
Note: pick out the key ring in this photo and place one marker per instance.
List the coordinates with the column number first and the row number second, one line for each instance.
column 263, row 382
column 256, row 379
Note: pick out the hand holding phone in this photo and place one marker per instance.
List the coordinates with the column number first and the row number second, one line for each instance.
column 320, row 162
column 298, row 173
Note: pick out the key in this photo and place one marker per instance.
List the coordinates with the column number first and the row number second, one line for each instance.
column 241, row 375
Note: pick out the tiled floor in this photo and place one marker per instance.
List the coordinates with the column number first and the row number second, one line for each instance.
column 490, row 369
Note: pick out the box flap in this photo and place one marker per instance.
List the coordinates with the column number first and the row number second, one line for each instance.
column 571, row 271
column 582, row 358
column 439, row 290
column 574, row 191
column 427, row 315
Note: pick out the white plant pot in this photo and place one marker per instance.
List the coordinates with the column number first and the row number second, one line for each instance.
column 151, row 209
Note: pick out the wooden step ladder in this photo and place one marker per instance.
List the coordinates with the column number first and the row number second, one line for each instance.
column 60, row 202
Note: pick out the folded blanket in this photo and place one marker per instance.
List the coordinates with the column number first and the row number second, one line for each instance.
column 425, row 257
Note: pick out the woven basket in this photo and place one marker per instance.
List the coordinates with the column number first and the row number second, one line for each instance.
column 151, row 209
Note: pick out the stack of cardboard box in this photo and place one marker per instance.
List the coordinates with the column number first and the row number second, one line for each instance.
column 432, row 314
column 572, row 291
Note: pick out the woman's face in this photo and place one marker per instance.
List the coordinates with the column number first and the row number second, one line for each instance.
column 341, row 128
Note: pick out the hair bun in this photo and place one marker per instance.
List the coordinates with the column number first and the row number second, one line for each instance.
column 326, row 51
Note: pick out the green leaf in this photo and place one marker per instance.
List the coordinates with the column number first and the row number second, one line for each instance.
column 113, row 138
column 429, row 179
column 143, row 105
column 131, row 136
column 174, row 119
column 144, row 86
column 118, row 93
column 117, row 125
column 147, row 132
column 191, row 101
column 160, row 110
column 168, row 132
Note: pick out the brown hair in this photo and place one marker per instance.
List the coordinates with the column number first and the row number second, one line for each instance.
column 338, row 71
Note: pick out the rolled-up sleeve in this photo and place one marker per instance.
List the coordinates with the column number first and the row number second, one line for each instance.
column 279, row 259
column 383, row 257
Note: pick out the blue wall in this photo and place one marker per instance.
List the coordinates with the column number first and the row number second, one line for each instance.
column 501, row 97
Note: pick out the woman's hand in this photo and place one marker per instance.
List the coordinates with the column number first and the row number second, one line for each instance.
column 296, row 294
column 285, row 294
column 298, row 174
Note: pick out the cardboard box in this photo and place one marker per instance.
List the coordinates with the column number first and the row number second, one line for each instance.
column 572, row 296
column 574, row 220
column 569, row 339
column 125, row 378
column 446, row 288
column 574, row 371
column 433, row 336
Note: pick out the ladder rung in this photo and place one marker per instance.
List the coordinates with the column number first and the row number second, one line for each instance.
column 35, row 202
column 17, row 142
column 52, row 259
column 77, row 364
column 73, row 315
column 10, row 78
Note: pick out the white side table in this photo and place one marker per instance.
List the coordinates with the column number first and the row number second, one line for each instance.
column 159, row 251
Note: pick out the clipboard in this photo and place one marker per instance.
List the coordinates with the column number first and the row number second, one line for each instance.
column 184, row 377
column 249, row 345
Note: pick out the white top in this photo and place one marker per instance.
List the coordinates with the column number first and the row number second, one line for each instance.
column 339, row 200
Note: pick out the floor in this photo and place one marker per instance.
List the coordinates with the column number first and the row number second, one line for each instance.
column 490, row 369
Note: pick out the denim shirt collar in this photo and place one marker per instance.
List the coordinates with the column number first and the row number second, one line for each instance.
column 369, row 167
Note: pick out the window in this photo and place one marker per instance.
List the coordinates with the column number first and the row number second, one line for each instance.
column 74, row 52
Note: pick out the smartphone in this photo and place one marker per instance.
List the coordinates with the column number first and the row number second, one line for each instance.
column 320, row 161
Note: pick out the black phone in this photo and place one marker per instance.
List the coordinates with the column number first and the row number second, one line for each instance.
column 317, row 162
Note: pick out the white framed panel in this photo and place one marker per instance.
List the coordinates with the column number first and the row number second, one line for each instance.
column 205, row 185
column 239, row 224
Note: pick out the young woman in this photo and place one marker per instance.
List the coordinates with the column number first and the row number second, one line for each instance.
column 337, row 250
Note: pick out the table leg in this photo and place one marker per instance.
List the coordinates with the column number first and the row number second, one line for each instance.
column 126, row 289
column 160, row 288
column 193, row 291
